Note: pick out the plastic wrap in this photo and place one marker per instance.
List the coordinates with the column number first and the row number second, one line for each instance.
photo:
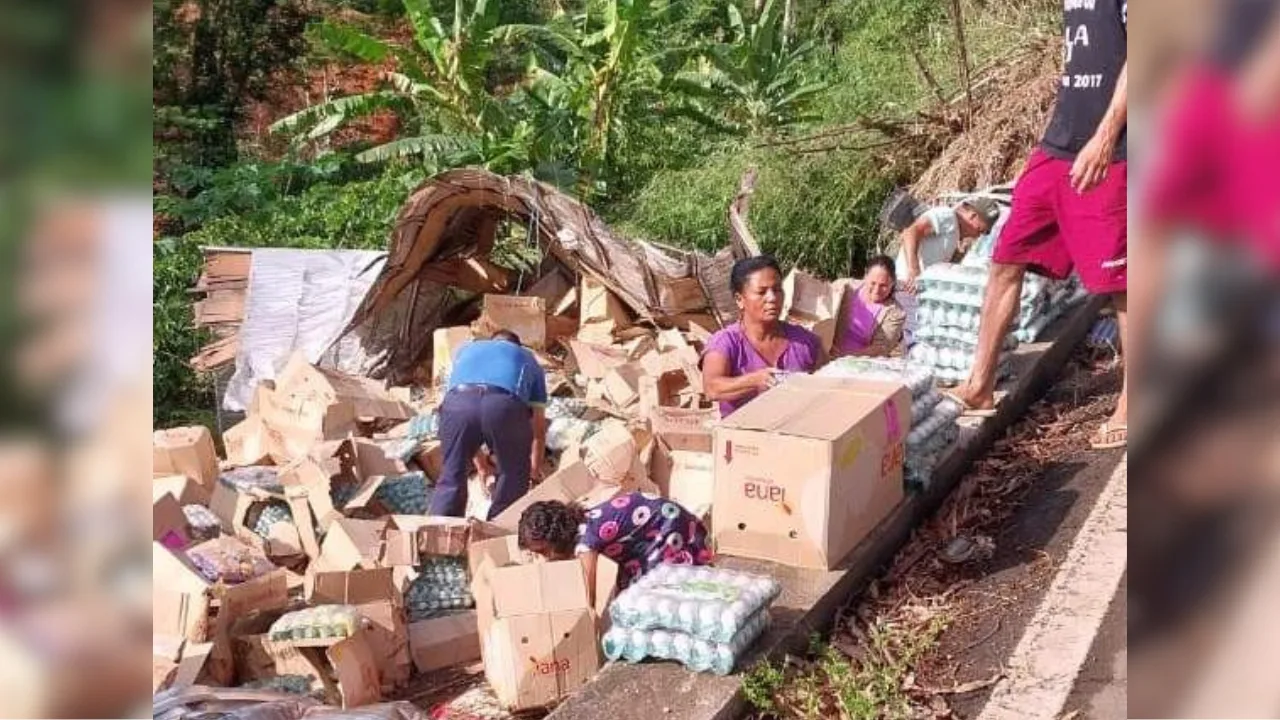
column 704, row 602
column 698, row 654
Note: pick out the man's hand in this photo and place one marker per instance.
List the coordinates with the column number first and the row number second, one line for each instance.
column 1091, row 165
column 535, row 469
column 484, row 465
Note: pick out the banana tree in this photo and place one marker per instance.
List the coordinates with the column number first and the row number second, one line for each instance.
column 756, row 82
column 439, row 85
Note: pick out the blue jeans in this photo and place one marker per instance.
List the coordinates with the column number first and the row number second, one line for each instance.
column 490, row 416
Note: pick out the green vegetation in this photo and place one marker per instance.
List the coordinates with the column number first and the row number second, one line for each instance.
column 828, row 683
column 649, row 109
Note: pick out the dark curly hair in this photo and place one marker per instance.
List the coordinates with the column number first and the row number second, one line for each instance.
column 552, row 522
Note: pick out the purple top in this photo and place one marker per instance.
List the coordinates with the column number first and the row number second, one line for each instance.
column 801, row 355
column 861, row 324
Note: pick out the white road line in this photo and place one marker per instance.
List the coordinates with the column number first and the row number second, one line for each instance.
column 1048, row 658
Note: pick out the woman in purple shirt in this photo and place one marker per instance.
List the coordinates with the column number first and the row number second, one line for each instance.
column 745, row 358
column 873, row 319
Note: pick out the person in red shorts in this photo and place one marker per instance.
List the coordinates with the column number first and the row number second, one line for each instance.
column 1069, row 205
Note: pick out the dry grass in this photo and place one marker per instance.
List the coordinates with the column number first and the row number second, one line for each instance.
column 1014, row 98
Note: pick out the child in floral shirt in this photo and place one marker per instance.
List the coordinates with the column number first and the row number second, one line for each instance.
column 636, row 530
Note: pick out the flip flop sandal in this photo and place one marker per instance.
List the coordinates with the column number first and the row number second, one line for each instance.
column 1110, row 436
column 966, row 409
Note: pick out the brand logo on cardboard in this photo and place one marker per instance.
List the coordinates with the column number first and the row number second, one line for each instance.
column 764, row 489
column 550, row 667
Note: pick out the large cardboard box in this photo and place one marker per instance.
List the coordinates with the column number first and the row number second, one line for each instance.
column 684, row 429
column 808, row 469
column 185, row 451
column 444, row 641
column 685, row 476
column 539, row 629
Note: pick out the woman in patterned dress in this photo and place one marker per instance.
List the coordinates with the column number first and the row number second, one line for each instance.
column 637, row 531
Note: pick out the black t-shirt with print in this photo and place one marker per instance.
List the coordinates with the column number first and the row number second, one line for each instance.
column 1096, row 39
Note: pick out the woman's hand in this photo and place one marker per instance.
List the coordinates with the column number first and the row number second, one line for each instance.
column 910, row 283
column 762, row 379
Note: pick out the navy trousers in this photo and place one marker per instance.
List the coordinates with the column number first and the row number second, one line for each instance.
column 468, row 418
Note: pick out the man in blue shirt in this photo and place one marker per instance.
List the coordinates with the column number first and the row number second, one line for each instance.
column 497, row 396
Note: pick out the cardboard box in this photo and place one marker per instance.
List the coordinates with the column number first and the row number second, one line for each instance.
column 571, row 483
column 444, row 345
column 352, row 544
column 379, row 600
column 180, row 597
column 435, row 535
column 312, row 406
column 185, row 451
column 600, row 313
column 805, row 471
column 181, row 488
column 524, row 316
column 622, row 385
column 684, row 429
column 610, row 453
column 809, row 296
column 445, row 641
column 684, row 476
column 289, row 543
column 247, row 442
column 346, row 666
column 539, row 629
column 169, row 524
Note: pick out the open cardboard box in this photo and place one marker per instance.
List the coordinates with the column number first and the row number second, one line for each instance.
column 186, row 451
column 571, row 483
column 380, row 600
column 807, row 470
column 346, row 666
column 539, row 629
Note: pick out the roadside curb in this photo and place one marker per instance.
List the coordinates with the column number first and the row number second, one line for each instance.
column 811, row 599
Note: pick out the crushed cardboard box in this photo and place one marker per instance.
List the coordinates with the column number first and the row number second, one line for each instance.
column 804, row 472
column 573, row 482
column 380, row 600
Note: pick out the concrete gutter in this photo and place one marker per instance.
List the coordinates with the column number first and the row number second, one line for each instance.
column 811, row 598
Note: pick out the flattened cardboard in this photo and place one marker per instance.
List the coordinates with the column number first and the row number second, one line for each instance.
column 445, row 343
column 595, row 361
column 185, row 451
column 681, row 296
column 806, row 471
column 524, row 316
column 444, row 641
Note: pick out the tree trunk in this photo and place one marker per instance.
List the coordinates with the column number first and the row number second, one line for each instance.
column 958, row 18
